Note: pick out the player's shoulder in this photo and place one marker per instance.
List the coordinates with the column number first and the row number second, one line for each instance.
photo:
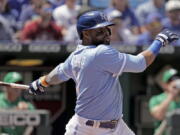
column 105, row 47
column 101, row 49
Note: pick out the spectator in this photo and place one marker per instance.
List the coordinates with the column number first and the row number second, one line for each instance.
column 152, row 26
column 32, row 11
column 6, row 13
column 11, row 99
column 119, row 33
column 66, row 15
column 149, row 7
column 6, row 32
column 172, row 22
column 129, row 19
column 71, row 36
column 115, row 17
column 16, row 6
column 41, row 29
column 56, row 3
column 168, row 100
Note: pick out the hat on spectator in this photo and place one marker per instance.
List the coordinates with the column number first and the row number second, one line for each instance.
column 172, row 5
column 168, row 74
column 13, row 77
column 114, row 14
column 152, row 17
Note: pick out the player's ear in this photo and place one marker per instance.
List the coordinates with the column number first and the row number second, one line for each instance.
column 86, row 35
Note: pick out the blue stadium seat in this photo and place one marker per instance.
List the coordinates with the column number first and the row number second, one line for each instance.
column 99, row 3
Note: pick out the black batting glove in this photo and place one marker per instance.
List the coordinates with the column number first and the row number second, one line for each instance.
column 36, row 88
column 167, row 37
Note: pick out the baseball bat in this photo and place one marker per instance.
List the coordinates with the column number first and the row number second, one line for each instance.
column 14, row 85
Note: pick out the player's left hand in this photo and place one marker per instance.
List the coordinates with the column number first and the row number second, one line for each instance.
column 36, row 87
column 167, row 37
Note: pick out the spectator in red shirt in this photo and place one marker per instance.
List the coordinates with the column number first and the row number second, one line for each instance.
column 41, row 29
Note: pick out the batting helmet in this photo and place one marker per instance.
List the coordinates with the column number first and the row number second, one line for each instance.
column 13, row 77
column 92, row 20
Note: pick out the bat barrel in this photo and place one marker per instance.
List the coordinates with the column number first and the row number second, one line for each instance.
column 14, row 85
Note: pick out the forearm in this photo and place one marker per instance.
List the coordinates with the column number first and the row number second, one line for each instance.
column 52, row 78
column 141, row 61
column 159, row 112
column 37, row 86
column 151, row 53
column 149, row 57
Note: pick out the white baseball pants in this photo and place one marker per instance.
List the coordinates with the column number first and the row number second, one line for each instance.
column 77, row 126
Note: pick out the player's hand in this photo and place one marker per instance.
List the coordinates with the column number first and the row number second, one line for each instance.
column 36, row 88
column 166, row 37
column 22, row 106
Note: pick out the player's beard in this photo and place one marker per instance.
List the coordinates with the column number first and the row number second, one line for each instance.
column 104, row 40
column 98, row 42
column 102, row 37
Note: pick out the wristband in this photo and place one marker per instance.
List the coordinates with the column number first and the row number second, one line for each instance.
column 43, row 81
column 155, row 47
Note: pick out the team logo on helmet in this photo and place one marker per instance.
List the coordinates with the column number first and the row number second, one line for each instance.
column 103, row 17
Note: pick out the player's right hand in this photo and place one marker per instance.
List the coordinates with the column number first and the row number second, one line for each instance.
column 36, row 87
column 167, row 37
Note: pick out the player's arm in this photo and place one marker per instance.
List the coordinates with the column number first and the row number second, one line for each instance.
column 58, row 75
column 162, row 39
column 141, row 61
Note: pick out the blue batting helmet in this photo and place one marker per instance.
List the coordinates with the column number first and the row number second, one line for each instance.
column 92, row 20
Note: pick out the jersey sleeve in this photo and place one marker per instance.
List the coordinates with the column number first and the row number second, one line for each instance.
column 64, row 71
column 60, row 73
column 135, row 63
column 110, row 60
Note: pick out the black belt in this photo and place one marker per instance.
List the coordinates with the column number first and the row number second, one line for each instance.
column 106, row 124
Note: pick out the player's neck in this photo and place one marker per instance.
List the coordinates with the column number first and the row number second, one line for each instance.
column 86, row 43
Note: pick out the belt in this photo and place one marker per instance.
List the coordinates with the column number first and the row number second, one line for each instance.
column 106, row 124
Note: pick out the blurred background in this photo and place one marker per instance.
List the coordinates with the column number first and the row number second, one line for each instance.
column 37, row 35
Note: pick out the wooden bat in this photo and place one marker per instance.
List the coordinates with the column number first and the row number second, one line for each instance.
column 14, row 85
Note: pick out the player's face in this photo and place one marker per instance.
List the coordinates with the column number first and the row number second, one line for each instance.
column 100, row 36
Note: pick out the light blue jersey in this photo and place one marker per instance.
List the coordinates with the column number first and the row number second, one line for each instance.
column 95, row 70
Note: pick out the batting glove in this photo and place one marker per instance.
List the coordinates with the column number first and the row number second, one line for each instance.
column 166, row 37
column 37, row 86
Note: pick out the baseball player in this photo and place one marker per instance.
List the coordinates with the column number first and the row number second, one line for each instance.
column 95, row 67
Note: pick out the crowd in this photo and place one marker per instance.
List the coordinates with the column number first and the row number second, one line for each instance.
column 55, row 20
